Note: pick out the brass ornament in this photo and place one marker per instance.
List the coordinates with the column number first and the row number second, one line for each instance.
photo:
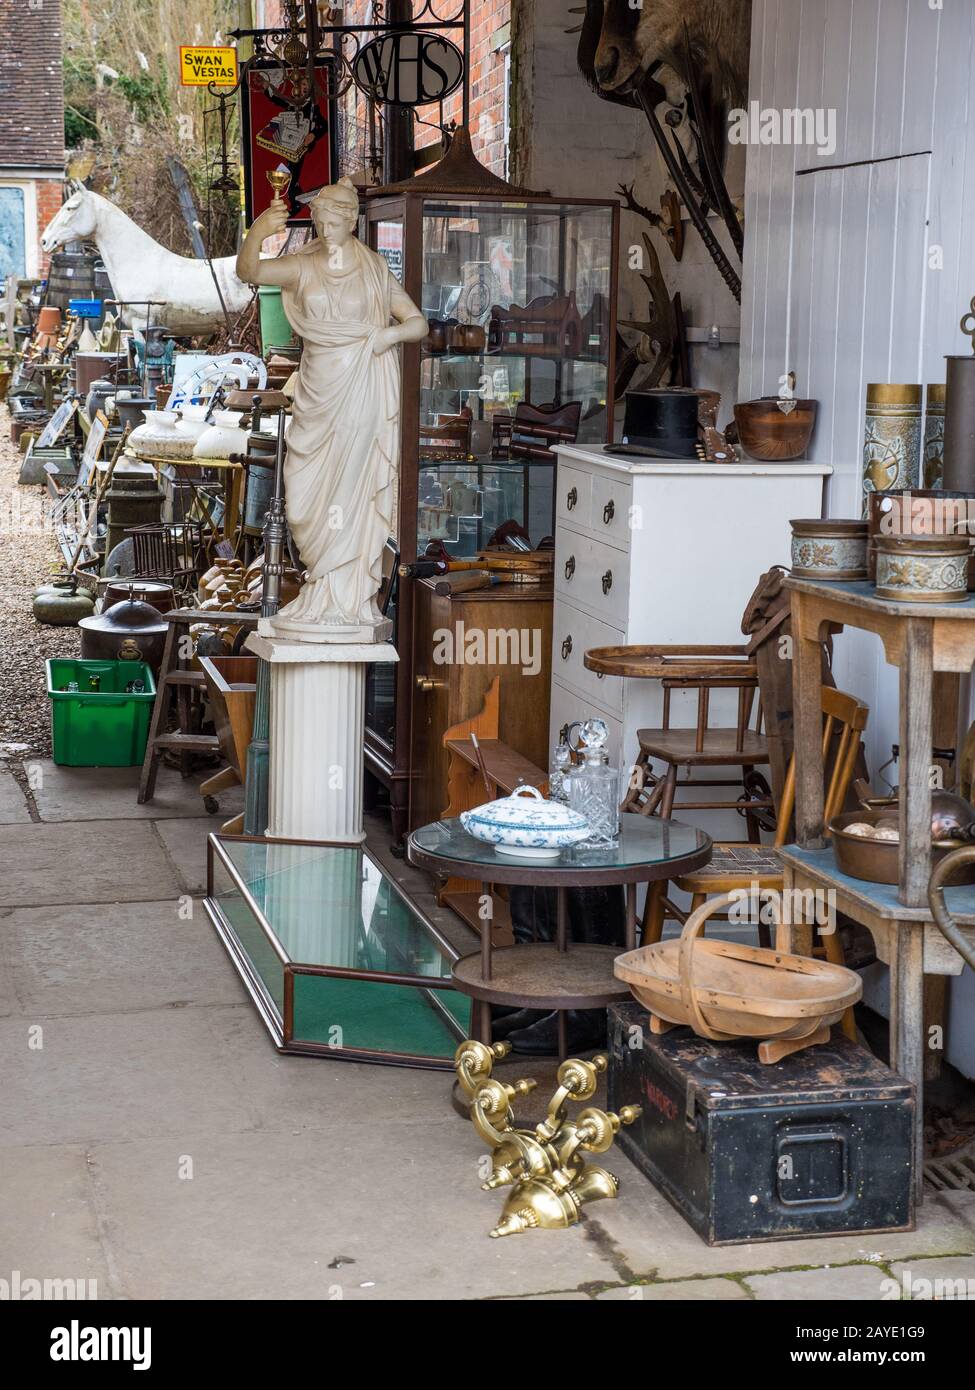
column 550, row 1181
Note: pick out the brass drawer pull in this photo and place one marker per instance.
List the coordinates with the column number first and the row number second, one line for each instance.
column 566, row 648
column 607, row 581
column 609, row 511
column 570, row 567
column 571, row 498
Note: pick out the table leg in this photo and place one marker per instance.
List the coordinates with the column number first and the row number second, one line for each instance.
column 785, row 927
column 907, row 1026
column 631, row 916
column 562, row 922
column 563, row 1022
column 487, row 926
column 807, row 675
column 914, row 762
column 483, row 1022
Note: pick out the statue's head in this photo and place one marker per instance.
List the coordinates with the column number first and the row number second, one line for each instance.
column 335, row 211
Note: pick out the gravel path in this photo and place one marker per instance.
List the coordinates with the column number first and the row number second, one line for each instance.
column 28, row 557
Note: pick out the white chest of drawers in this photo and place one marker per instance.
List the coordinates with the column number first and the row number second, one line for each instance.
column 652, row 552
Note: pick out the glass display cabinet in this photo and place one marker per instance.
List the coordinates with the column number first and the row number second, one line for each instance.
column 519, row 289
column 336, row 960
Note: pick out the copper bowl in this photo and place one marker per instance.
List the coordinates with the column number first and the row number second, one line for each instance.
column 876, row 861
column 771, row 434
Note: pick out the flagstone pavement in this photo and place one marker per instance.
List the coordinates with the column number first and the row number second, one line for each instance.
column 153, row 1140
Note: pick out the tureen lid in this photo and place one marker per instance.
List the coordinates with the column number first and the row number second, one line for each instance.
column 527, row 807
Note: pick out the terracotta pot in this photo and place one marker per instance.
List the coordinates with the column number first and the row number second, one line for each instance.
column 49, row 320
column 771, row 434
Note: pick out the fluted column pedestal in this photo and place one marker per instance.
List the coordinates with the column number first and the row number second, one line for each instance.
column 317, row 734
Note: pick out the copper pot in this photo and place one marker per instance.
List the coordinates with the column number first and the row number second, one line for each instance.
column 129, row 631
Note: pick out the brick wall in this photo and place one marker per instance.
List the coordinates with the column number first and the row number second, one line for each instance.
column 50, row 196
column 489, row 23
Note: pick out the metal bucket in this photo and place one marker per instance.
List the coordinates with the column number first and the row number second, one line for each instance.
column 260, row 487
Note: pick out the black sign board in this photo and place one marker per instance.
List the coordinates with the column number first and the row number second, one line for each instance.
column 409, row 68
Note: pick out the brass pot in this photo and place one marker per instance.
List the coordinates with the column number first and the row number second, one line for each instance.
column 831, row 548
column 923, row 569
column 876, row 861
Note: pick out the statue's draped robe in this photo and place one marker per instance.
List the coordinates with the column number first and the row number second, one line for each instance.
column 343, row 442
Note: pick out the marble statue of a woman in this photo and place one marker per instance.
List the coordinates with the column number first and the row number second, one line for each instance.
column 343, row 442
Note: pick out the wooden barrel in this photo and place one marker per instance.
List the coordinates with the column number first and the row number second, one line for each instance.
column 71, row 276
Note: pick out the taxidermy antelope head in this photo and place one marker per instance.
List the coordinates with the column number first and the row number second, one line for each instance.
column 625, row 42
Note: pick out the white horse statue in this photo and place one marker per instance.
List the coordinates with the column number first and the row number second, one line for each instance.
column 140, row 269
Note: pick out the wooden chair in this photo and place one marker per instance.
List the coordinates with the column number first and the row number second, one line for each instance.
column 703, row 747
column 737, row 868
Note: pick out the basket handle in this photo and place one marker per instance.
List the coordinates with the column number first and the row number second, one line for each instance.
column 693, row 928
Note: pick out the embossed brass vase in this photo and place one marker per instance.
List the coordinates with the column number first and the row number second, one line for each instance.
column 933, row 460
column 923, row 569
column 892, row 437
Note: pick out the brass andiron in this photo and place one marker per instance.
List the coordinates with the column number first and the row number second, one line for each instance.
column 549, row 1179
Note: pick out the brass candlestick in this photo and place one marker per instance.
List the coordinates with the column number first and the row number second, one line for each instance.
column 549, row 1180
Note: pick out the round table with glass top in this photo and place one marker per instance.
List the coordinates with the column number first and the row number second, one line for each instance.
column 556, row 975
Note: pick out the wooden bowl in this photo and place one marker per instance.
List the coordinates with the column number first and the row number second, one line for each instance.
column 725, row 990
column 771, row 435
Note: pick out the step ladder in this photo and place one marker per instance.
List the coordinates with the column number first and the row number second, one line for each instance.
column 176, row 674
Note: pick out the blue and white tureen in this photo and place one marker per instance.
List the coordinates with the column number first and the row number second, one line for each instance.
column 524, row 824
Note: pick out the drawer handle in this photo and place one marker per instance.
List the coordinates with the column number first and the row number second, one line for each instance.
column 570, row 567
column 566, row 648
column 607, row 581
column 609, row 511
column 571, row 498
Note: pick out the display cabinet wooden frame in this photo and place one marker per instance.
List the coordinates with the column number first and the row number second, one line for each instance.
column 393, row 224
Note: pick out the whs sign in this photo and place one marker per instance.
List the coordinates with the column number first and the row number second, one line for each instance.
column 201, row 65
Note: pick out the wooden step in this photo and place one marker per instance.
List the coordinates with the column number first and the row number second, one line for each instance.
column 187, row 742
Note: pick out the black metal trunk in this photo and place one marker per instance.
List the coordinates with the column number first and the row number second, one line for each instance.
column 818, row 1144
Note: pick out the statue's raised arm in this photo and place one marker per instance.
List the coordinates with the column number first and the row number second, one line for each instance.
column 275, row 270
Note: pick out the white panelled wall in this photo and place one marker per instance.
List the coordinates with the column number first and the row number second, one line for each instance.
column 860, row 263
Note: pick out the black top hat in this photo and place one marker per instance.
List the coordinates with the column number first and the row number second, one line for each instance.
column 661, row 424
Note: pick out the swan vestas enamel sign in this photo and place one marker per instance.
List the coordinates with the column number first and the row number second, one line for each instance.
column 200, row 65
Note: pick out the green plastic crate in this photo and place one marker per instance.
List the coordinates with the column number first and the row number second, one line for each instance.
column 105, row 728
